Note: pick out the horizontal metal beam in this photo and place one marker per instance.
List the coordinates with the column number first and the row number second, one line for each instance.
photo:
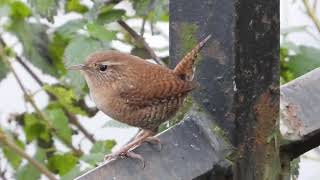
column 300, row 113
column 189, row 150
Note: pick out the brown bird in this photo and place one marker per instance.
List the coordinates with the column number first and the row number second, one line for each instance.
column 137, row 92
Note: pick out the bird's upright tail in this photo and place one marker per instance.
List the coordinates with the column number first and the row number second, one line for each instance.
column 185, row 68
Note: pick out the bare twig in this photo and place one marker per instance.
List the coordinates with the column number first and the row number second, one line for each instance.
column 140, row 39
column 142, row 26
column 73, row 119
column 91, row 111
column 312, row 14
column 41, row 168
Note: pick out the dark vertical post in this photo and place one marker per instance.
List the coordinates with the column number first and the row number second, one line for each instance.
column 238, row 73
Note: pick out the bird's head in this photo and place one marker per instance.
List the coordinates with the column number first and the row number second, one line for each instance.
column 104, row 68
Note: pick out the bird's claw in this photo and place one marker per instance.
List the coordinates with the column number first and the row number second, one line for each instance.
column 112, row 156
column 155, row 140
column 129, row 154
column 136, row 156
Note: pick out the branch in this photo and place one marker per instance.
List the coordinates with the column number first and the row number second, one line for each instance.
column 24, row 65
column 90, row 110
column 73, row 119
column 53, row 97
column 312, row 14
column 141, row 40
column 30, row 99
column 40, row 167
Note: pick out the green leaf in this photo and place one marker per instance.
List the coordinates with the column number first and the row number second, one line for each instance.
column 154, row 10
column 46, row 9
column 100, row 32
column 62, row 163
column 73, row 173
column 98, row 151
column 35, row 42
column 66, row 98
column 56, row 50
column 110, row 16
column 11, row 156
column 34, row 128
column 104, row 147
column 93, row 158
column 28, row 172
column 60, row 123
column 306, row 60
column 142, row 7
column 69, row 29
column 19, row 10
column 76, row 6
column 3, row 68
column 75, row 53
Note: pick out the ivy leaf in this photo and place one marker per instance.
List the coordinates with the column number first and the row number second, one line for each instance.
column 56, row 50
column 62, row 163
column 66, row 98
column 98, row 151
column 60, row 123
column 34, row 128
column 103, row 146
column 93, row 158
column 69, row 29
column 28, row 172
column 19, row 10
column 3, row 68
column 154, row 10
column 46, row 9
column 73, row 173
column 100, row 32
column 76, row 6
column 35, row 42
column 75, row 53
column 110, row 15
column 11, row 156
column 304, row 61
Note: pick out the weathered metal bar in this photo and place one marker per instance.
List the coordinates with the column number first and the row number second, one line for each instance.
column 257, row 81
column 300, row 113
column 189, row 150
column 238, row 72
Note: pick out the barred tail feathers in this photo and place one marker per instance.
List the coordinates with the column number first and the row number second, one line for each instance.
column 185, row 68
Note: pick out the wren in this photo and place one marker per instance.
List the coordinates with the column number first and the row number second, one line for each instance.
column 137, row 92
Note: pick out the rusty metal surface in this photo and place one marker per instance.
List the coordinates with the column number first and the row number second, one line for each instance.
column 189, row 150
column 300, row 107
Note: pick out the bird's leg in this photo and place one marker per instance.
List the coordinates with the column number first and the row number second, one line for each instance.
column 152, row 139
column 124, row 151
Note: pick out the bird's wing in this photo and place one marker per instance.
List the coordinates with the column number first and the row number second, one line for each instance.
column 152, row 89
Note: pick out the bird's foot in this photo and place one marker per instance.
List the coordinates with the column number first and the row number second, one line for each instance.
column 154, row 140
column 123, row 154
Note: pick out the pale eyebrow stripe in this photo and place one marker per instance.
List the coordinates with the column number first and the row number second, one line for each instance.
column 111, row 63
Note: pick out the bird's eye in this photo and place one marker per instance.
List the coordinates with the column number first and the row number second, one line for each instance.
column 103, row 67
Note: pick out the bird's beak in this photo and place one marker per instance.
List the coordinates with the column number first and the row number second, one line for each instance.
column 76, row 67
